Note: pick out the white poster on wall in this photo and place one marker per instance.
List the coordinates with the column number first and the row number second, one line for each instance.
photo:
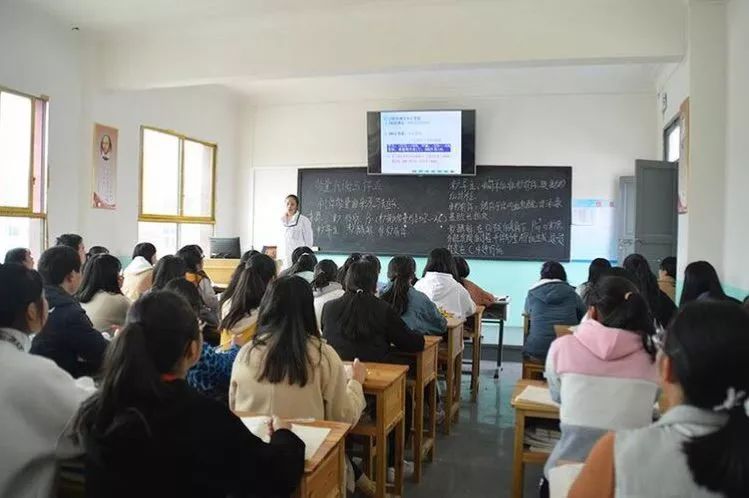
column 593, row 229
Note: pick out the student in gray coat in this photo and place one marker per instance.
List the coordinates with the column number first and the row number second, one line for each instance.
column 551, row 301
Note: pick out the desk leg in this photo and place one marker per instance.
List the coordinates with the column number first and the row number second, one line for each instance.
column 475, row 366
column 342, row 469
column 400, row 437
column 418, row 424
column 449, row 394
column 518, row 467
column 432, row 429
column 381, row 443
column 500, row 343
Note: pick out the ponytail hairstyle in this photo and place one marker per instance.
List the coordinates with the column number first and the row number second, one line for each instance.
column 401, row 271
column 708, row 344
column 158, row 333
column 597, row 268
column 358, row 320
column 647, row 282
column 145, row 250
column 101, row 273
column 355, row 256
column 701, row 278
column 326, row 272
column 286, row 322
column 462, row 268
column 441, row 261
column 193, row 256
column 621, row 306
column 19, row 287
column 305, row 262
column 297, row 253
column 229, row 292
column 257, row 273
column 166, row 269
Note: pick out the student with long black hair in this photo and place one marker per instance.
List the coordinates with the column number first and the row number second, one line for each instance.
column 604, row 375
column 304, row 267
column 239, row 313
column 441, row 284
column 701, row 283
column 418, row 312
column 341, row 278
column 479, row 296
column 660, row 304
column 69, row 338
column 194, row 256
column 324, row 285
column 597, row 268
column 138, row 275
column 698, row 448
column 148, row 433
column 212, row 372
column 38, row 397
column 229, row 291
column 167, row 269
column 100, row 294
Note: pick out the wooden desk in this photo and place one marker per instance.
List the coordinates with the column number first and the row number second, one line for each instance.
column 387, row 383
column 497, row 312
column 325, row 473
column 523, row 411
column 220, row 270
column 424, row 383
column 472, row 331
column 451, row 357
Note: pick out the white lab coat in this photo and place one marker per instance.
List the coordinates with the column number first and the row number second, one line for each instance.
column 297, row 233
column 39, row 400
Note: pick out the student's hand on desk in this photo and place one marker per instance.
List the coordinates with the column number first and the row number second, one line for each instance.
column 358, row 371
column 276, row 424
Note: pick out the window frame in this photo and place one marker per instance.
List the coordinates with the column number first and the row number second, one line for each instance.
column 673, row 124
column 29, row 211
column 178, row 218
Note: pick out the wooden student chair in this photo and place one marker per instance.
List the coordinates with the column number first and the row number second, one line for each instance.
column 563, row 330
column 532, row 369
column 472, row 332
column 449, row 363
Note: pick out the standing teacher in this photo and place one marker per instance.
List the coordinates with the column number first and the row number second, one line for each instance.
column 297, row 229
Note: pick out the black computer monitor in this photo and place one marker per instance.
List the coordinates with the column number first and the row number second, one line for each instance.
column 225, row 248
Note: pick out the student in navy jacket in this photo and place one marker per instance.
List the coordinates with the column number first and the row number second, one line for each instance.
column 68, row 338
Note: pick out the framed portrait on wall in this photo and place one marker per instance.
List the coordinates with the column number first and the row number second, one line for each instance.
column 683, row 156
column 105, row 167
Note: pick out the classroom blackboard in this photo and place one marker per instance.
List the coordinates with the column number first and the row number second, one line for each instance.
column 504, row 212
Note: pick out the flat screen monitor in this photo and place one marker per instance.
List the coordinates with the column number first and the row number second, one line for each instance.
column 225, row 248
column 421, row 142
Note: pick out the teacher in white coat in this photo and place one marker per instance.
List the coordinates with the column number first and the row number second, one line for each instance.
column 297, row 229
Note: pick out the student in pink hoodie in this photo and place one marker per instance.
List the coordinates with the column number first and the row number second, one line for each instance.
column 604, row 375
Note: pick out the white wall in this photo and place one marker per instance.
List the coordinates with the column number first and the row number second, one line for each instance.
column 599, row 135
column 206, row 113
column 737, row 157
column 39, row 56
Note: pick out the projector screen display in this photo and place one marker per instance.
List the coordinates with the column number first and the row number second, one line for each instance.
column 421, row 142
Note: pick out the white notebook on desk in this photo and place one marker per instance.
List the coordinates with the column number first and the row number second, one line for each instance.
column 535, row 394
column 313, row 437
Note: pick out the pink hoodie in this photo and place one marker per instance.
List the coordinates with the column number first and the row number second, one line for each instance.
column 595, row 349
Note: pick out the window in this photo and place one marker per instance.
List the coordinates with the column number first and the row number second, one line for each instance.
column 672, row 140
column 177, row 195
column 23, row 170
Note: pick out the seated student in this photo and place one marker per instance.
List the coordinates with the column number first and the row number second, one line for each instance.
column 20, row 256
column 418, row 312
column 341, row 278
column 211, row 374
column 193, row 256
column 478, row 295
column 701, row 283
column 440, row 284
column 167, row 269
column 75, row 242
column 295, row 255
column 229, row 291
column 95, row 251
column 239, row 312
column 138, row 275
column 287, row 369
column 551, row 301
column 604, row 375
column 38, row 397
column 698, row 448
column 359, row 325
column 324, row 285
column 148, row 433
column 304, row 267
column 667, row 277
column 69, row 338
column 597, row 267
column 661, row 305
column 100, row 295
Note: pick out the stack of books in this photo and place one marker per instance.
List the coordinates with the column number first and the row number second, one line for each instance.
column 542, row 438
